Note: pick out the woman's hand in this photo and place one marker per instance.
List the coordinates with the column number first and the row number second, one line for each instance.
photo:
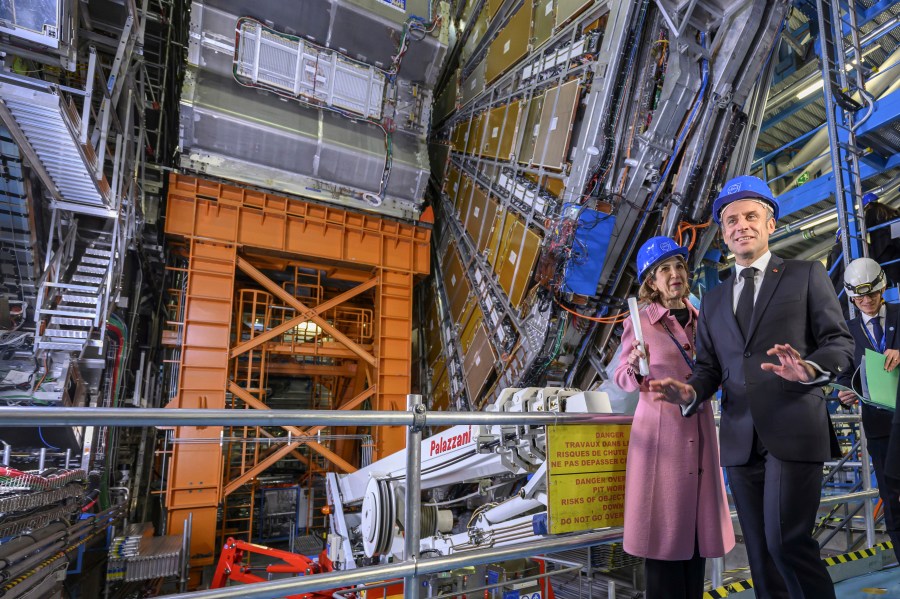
column 637, row 352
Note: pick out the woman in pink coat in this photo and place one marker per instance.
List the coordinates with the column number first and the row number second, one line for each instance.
column 676, row 510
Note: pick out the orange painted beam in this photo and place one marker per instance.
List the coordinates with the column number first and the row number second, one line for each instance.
column 393, row 305
column 291, row 368
column 194, row 483
column 303, row 317
column 326, row 349
column 275, row 289
column 203, row 209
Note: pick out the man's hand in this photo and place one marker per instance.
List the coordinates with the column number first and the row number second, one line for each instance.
column 848, row 398
column 672, row 391
column 791, row 367
column 891, row 359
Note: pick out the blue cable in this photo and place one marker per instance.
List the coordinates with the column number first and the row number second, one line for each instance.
column 41, row 434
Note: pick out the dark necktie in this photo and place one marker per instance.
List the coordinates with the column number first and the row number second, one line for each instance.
column 878, row 331
column 744, row 312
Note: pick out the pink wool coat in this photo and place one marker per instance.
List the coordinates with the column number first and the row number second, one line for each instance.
column 673, row 484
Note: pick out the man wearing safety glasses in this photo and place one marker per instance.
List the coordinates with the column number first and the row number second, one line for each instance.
column 876, row 327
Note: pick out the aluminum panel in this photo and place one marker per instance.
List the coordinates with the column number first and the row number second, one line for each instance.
column 555, row 129
column 479, row 28
column 474, row 84
column 285, row 145
column 544, row 22
column 479, row 364
column 511, row 45
column 528, row 132
column 566, row 9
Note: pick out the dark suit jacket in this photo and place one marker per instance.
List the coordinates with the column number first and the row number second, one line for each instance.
column 796, row 304
column 877, row 422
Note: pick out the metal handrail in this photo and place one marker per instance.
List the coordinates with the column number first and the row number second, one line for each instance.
column 403, row 569
column 30, row 416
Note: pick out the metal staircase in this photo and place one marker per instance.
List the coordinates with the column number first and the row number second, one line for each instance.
column 76, row 300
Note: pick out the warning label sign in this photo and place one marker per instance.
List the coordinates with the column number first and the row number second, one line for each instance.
column 586, row 476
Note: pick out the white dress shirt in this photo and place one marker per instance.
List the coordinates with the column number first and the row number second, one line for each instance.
column 867, row 322
column 760, row 265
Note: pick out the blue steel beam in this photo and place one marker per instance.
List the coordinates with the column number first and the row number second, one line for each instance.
column 886, row 112
column 822, row 188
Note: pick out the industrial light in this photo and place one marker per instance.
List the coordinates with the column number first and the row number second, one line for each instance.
column 814, row 86
column 818, row 221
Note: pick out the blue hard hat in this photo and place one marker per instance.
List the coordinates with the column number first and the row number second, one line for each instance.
column 656, row 250
column 743, row 188
column 869, row 197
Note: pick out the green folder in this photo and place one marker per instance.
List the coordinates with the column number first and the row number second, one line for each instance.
column 881, row 384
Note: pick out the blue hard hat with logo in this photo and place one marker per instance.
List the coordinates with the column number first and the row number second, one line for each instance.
column 745, row 187
column 656, row 250
column 869, row 198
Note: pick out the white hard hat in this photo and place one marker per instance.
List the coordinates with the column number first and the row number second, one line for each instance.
column 863, row 276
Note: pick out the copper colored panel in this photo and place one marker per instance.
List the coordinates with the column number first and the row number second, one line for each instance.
column 544, row 21
column 456, row 285
column 511, row 45
column 478, row 364
column 471, row 324
column 529, row 130
column 458, row 139
column 474, row 85
column 463, row 194
column 552, row 143
column 503, row 123
column 491, row 208
column 475, row 214
column 496, row 239
column 451, row 183
column 566, row 9
column 464, row 198
column 492, row 7
column 473, row 143
column 516, row 261
column 527, row 260
column 433, row 331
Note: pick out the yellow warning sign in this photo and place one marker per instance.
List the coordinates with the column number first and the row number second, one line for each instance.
column 576, row 449
column 586, row 476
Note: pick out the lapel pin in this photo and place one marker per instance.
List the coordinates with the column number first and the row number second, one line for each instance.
column 774, row 270
column 890, row 328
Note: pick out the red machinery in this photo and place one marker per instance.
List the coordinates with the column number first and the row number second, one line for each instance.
column 231, row 566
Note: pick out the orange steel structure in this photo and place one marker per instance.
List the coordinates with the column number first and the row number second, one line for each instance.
column 358, row 343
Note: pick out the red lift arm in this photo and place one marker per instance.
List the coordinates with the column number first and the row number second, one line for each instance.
column 231, row 567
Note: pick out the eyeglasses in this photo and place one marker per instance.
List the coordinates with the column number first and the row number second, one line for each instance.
column 870, row 295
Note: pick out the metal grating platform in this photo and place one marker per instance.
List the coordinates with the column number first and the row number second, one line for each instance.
column 52, row 133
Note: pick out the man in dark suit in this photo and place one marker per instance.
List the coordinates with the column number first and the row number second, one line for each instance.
column 875, row 328
column 770, row 335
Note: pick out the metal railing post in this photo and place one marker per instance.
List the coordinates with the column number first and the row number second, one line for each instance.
column 413, row 518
